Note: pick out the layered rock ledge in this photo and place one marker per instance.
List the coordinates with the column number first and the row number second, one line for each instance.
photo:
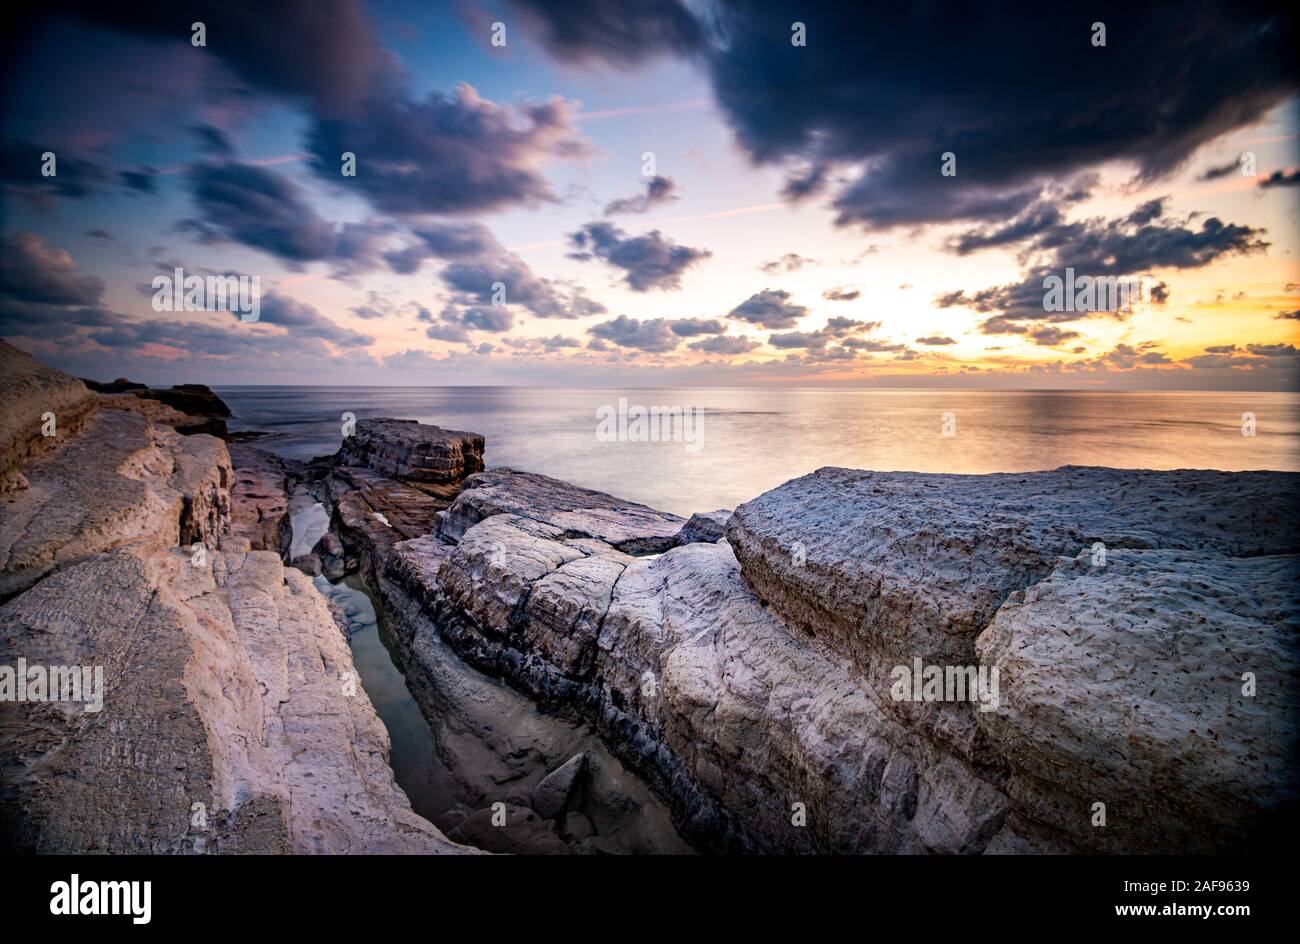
column 749, row 680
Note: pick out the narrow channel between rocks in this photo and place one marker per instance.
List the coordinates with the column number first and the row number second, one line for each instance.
column 484, row 753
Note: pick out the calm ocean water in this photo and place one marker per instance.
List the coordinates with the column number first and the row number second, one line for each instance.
column 755, row 439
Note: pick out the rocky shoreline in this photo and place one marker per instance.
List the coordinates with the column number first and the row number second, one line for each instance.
column 738, row 671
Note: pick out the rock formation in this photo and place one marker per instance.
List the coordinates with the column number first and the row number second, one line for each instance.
column 753, row 687
column 413, row 452
column 227, row 716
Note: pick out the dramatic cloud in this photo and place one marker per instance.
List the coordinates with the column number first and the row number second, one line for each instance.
column 624, row 34
column 655, row 336
column 324, row 51
column 651, row 261
column 483, row 272
column 1126, row 247
column 770, row 308
column 450, row 154
column 658, row 190
column 935, row 341
column 33, row 271
column 20, row 173
column 262, row 209
column 1020, row 100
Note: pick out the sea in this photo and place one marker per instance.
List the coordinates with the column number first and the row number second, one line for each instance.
column 740, row 442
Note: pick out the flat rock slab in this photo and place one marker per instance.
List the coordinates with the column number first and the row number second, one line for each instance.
column 416, row 452
column 579, row 512
column 908, row 565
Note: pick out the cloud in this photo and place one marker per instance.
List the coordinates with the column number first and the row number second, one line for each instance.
column 1051, row 335
column 722, row 344
column 692, row 327
column 935, row 340
column 302, row 319
column 20, row 173
column 324, row 52
column 477, row 263
column 835, row 328
column 1123, row 247
column 448, row 154
column 654, row 336
column 790, row 262
column 31, row 270
column 623, row 34
column 1282, row 179
column 1293, row 315
column 658, row 190
column 141, row 180
column 882, row 93
column 259, row 208
column 650, row 261
column 844, row 293
column 770, row 308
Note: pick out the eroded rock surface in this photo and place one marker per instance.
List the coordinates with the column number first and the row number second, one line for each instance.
column 581, row 512
column 263, row 483
column 225, row 726
column 413, row 452
column 120, row 480
column 753, row 689
column 31, row 391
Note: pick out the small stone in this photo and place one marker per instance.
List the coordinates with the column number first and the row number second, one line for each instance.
column 552, row 791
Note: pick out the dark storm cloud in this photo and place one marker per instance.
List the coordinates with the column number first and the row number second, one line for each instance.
column 449, row 154
column 654, row 336
column 1019, row 94
column 262, row 209
column 1124, row 247
column 657, row 190
column 650, row 261
column 20, row 172
column 323, row 51
column 623, row 34
column 33, row 271
column 770, row 308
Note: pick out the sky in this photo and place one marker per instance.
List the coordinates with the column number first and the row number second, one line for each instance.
column 656, row 192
